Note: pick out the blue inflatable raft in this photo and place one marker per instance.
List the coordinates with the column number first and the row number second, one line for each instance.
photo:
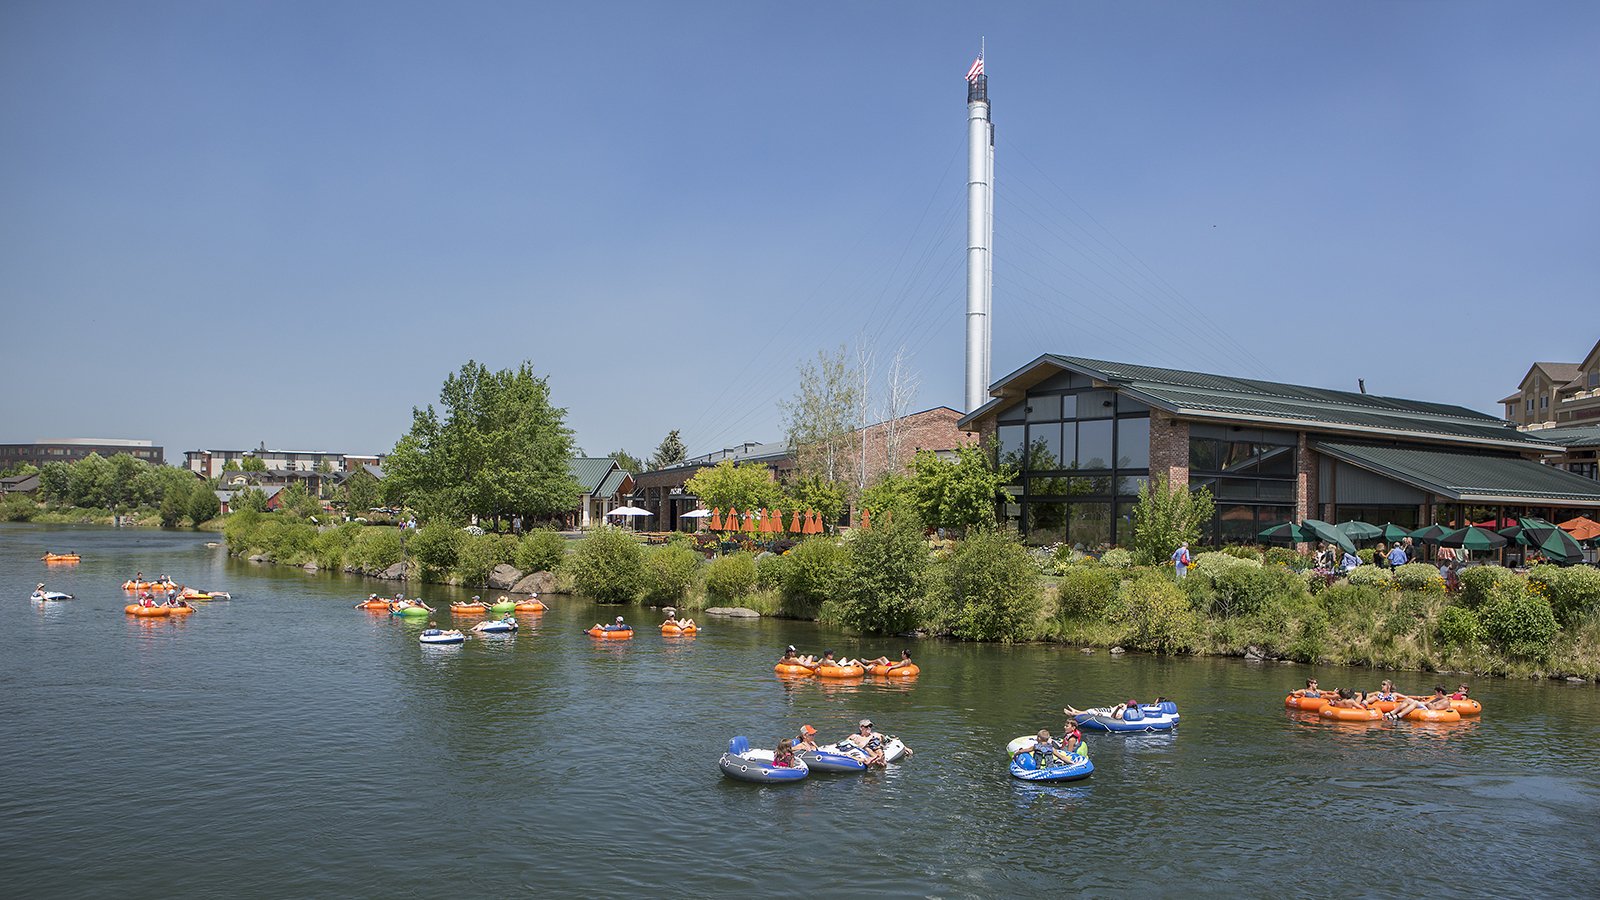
column 1026, row 767
column 1162, row 717
column 744, row 764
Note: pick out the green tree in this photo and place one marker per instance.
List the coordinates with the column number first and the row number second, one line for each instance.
column 175, row 505
column 203, row 505
column 669, row 452
column 814, row 492
column 670, row 573
column 20, row 468
column 297, row 500
column 726, row 485
column 499, row 450
column 627, row 461
column 91, row 482
column 958, row 493
column 360, row 492
column 814, row 572
column 252, row 464
column 889, row 494
column 1167, row 515
column 122, row 488
column 608, row 566
column 436, row 545
column 55, row 482
column 883, row 586
column 820, row 418
column 988, row 589
column 731, row 577
column 541, row 551
column 231, row 465
column 251, row 499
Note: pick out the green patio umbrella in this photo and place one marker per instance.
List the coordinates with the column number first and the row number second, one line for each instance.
column 1361, row 531
column 1473, row 538
column 1322, row 531
column 1393, row 532
column 1549, row 540
column 1286, row 533
column 1431, row 534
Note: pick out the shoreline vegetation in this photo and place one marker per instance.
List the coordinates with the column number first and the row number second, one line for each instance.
column 894, row 579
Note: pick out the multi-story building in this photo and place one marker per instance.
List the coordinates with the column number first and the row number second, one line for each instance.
column 1556, row 394
column 73, row 449
column 211, row 463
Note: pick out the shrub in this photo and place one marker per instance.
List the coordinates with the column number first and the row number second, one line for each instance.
column 1574, row 593
column 1117, row 558
column 1210, row 565
column 1240, row 552
column 375, row 548
column 772, row 571
column 1366, row 555
column 1086, row 593
column 988, row 590
column 608, row 566
column 1317, row 581
column 882, row 583
column 333, row 545
column 1371, row 576
column 17, row 508
column 1518, row 621
column 478, row 554
column 815, row 568
column 731, row 577
column 1419, row 577
column 540, row 551
column 669, row 573
column 1283, row 556
column 1158, row 615
column 435, row 545
column 1458, row 626
column 1242, row 590
column 1478, row 583
column 1352, row 600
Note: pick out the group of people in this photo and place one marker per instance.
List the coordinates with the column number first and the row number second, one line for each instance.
column 792, row 657
column 400, row 602
column 1346, row 698
column 1046, row 749
column 866, row 744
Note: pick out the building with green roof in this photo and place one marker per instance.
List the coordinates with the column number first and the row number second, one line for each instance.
column 1084, row 434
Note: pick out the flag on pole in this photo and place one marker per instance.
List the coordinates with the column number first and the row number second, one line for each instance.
column 977, row 68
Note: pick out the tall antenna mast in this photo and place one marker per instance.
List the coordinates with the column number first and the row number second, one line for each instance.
column 980, row 231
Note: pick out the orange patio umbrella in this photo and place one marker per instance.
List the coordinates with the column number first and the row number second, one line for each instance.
column 1582, row 528
column 866, row 519
column 766, row 521
column 716, row 520
column 732, row 522
column 751, row 523
column 813, row 522
column 795, row 527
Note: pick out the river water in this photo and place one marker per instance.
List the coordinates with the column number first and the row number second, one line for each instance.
column 284, row 744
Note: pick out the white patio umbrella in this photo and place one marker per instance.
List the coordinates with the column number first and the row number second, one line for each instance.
column 697, row 514
column 630, row 511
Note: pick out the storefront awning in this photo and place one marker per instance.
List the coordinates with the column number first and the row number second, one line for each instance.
column 1470, row 478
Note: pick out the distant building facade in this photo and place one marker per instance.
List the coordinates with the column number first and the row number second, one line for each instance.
column 1556, row 394
column 605, row 485
column 212, row 463
column 73, row 449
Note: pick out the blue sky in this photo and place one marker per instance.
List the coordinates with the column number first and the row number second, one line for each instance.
column 287, row 222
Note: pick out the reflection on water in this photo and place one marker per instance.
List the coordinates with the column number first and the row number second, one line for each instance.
column 299, row 739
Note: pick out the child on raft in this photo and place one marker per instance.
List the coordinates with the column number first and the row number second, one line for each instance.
column 783, row 757
column 1438, row 701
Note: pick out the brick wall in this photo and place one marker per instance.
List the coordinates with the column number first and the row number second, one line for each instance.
column 1306, row 488
column 934, row 429
column 1169, row 448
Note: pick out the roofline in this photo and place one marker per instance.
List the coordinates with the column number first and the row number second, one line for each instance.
column 1442, row 490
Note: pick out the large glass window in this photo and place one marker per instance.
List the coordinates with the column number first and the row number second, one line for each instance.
column 1047, row 522
column 1089, row 524
column 1250, row 472
column 1094, row 444
column 1044, row 409
column 1044, row 447
column 1013, row 444
column 1082, row 429
column 1133, row 443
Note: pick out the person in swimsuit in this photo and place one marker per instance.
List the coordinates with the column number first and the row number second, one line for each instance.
column 902, row 662
column 1310, row 690
column 1438, row 701
column 1461, row 692
column 783, row 757
column 1385, row 693
column 1348, row 699
column 807, row 739
column 1110, row 712
column 790, row 658
column 869, row 742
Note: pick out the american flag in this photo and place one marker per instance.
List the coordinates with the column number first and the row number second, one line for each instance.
column 976, row 70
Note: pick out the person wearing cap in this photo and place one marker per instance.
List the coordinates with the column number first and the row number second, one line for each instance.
column 806, row 739
column 619, row 626
column 868, row 741
column 791, row 659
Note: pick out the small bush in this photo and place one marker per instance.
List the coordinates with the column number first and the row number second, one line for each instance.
column 1419, row 577
column 608, row 566
column 17, row 508
column 1478, row 583
column 669, row 573
column 375, row 548
column 1354, row 600
column 1086, row 593
column 1283, row 556
column 815, row 569
column 1212, row 564
column 541, row 551
column 1158, row 615
column 1458, row 626
column 478, row 554
column 434, row 546
column 1366, row 555
column 1518, row 621
column 772, row 571
column 988, row 590
column 1239, row 552
column 731, row 577
column 1573, row 592
column 334, row 545
column 1371, row 576
column 1242, row 590
column 1117, row 558
column 882, row 586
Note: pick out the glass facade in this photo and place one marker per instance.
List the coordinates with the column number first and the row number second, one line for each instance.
column 1251, row 473
column 1080, row 453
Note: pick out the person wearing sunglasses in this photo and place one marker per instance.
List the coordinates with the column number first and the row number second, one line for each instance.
column 869, row 742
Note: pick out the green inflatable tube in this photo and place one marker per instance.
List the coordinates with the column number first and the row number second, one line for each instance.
column 505, row 607
column 414, row 611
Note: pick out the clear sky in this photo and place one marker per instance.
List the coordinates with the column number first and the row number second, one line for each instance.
column 226, row 223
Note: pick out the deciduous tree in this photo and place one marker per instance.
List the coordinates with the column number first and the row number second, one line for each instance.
column 1166, row 516
column 726, row 485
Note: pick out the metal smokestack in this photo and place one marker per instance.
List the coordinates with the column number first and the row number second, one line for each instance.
column 980, row 225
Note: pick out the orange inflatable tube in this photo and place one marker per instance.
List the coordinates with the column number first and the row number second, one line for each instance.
column 669, row 629
column 134, row 609
column 1433, row 715
column 826, row 671
column 376, row 604
column 910, row 671
column 1305, row 704
column 787, row 669
column 530, row 606
column 179, row 610
column 1468, row 707
column 61, row 557
column 616, row 634
column 1343, row 714
column 468, row 609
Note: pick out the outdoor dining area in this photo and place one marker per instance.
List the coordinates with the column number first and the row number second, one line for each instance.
column 751, row 526
column 1526, row 540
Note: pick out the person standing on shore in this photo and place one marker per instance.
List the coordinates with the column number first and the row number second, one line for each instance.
column 1180, row 560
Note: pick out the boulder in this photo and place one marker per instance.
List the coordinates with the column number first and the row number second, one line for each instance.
column 395, row 572
column 310, row 567
column 1574, row 679
column 733, row 612
column 536, row 582
column 503, row 577
column 1117, row 651
column 257, row 558
column 1086, row 650
column 1254, row 652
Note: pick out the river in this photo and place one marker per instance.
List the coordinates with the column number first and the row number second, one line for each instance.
column 284, row 744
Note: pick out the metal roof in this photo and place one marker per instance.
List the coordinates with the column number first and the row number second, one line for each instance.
column 1570, row 435
column 1470, row 477
column 612, row 483
column 591, row 471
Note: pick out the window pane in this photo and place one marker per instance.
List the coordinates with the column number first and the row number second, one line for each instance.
column 1048, row 487
column 1011, row 439
column 1044, row 409
column 1069, row 406
column 1235, row 489
column 1094, row 405
column 1238, row 457
column 1238, row 524
column 1044, row 447
column 1094, row 444
column 1275, row 490
column 1133, row 443
column 1012, row 413
column 1277, row 462
column 1089, row 525
column 1204, row 454
column 1069, row 445
column 1129, row 485
column 1093, row 486
column 1047, row 523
